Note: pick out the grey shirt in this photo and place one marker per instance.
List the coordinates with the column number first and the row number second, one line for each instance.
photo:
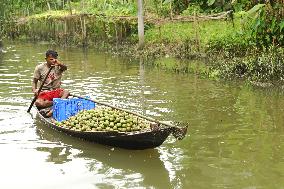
column 53, row 80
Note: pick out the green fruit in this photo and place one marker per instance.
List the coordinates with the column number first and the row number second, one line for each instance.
column 136, row 128
column 117, row 120
column 106, row 123
column 105, row 119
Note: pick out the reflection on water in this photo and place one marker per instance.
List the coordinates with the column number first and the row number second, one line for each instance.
column 57, row 155
column 113, row 163
column 235, row 138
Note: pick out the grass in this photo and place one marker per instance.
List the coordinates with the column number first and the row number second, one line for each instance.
column 50, row 14
column 207, row 32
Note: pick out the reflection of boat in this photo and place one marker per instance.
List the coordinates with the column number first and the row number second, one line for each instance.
column 145, row 162
column 129, row 140
column 58, row 154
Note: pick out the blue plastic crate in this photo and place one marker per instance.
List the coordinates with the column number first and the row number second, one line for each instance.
column 65, row 108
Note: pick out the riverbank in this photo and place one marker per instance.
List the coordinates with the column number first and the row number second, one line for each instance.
column 223, row 43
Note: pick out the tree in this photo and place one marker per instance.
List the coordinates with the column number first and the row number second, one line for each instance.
column 140, row 24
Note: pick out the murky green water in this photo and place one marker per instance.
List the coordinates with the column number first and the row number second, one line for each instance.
column 235, row 139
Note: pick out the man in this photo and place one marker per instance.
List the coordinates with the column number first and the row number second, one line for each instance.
column 51, row 87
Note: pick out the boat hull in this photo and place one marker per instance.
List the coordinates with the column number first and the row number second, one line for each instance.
column 132, row 140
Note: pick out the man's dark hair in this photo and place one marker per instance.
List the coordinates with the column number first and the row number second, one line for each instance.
column 53, row 53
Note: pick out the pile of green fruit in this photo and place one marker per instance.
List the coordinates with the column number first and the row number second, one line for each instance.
column 105, row 119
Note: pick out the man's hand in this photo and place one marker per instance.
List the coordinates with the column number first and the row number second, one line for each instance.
column 56, row 62
column 35, row 91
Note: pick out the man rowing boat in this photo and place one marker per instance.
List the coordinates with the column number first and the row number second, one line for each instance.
column 51, row 87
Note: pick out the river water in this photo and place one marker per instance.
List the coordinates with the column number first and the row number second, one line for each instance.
column 235, row 138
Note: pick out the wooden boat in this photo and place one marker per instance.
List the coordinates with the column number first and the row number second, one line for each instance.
column 137, row 140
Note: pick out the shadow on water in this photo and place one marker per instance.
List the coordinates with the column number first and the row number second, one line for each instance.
column 145, row 162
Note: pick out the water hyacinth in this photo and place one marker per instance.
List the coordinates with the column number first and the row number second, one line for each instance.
column 264, row 67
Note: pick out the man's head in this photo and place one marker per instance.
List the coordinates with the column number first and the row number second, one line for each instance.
column 51, row 57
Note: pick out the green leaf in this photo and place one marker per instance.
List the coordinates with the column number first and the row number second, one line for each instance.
column 256, row 24
column 210, row 2
column 167, row 1
column 281, row 25
column 255, row 9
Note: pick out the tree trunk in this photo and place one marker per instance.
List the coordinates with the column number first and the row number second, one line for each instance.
column 140, row 24
column 69, row 5
column 83, row 4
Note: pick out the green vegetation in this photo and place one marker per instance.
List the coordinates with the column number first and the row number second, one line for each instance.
column 208, row 33
column 176, row 28
column 178, row 32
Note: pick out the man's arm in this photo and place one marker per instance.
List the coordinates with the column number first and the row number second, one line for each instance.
column 35, row 80
column 34, row 86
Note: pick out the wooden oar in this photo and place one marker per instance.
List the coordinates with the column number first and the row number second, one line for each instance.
column 178, row 132
column 33, row 101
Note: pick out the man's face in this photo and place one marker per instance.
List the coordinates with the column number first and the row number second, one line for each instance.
column 50, row 60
